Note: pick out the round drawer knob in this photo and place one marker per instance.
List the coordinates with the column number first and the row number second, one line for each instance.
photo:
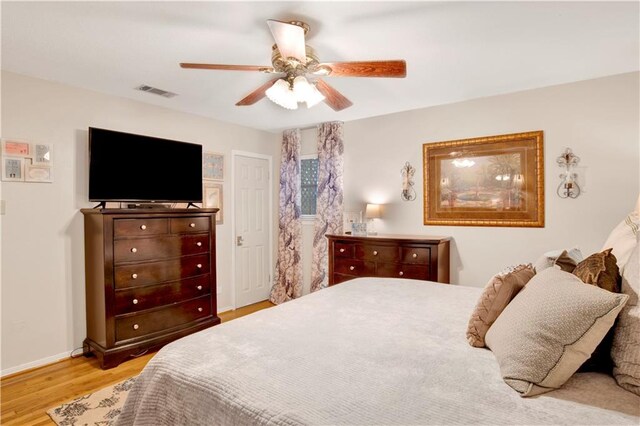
column 192, row 225
column 199, row 287
column 401, row 273
column 199, row 309
column 199, row 244
column 375, row 253
column 199, row 266
column 414, row 255
column 135, row 301
column 134, row 276
column 143, row 227
column 134, row 250
column 136, row 326
column 341, row 250
column 351, row 268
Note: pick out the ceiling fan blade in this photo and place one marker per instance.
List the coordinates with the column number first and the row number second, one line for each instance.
column 289, row 38
column 395, row 69
column 228, row 67
column 333, row 98
column 257, row 94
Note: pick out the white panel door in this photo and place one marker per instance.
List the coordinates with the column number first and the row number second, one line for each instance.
column 251, row 212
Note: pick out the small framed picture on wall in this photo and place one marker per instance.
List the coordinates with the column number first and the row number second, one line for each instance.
column 42, row 154
column 37, row 173
column 212, row 166
column 12, row 169
column 212, row 199
column 15, row 148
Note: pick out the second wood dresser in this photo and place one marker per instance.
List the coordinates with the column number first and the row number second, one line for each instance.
column 150, row 278
column 393, row 256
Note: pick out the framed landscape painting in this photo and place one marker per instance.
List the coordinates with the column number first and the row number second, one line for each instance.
column 487, row 181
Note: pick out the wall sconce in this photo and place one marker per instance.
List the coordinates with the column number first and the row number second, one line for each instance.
column 408, row 193
column 568, row 187
column 372, row 212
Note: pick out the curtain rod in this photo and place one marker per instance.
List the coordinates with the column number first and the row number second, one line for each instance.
column 315, row 126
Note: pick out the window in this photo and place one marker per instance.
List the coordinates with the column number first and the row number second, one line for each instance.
column 309, row 185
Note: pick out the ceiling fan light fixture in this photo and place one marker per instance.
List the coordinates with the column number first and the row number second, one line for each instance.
column 301, row 88
column 314, row 97
column 281, row 94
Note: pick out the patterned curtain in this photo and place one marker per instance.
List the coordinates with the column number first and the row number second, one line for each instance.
column 287, row 282
column 329, row 202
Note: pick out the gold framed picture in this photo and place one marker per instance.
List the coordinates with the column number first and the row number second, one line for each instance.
column 486, row 181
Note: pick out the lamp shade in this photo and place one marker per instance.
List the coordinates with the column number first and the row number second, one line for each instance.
column 314, row 97
column 281, row 94
column 372, row 211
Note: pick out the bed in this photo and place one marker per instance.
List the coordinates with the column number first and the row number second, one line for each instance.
column 368, row 351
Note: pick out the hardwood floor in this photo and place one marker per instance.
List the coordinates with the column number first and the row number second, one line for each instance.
column 26, row 396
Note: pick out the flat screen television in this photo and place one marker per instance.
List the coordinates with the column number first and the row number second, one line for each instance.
column 125, row 167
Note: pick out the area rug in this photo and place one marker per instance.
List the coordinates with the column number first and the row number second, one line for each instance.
column 98, row 408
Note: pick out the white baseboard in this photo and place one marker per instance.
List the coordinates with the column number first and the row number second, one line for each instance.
column 225, row 309
column 33, row 364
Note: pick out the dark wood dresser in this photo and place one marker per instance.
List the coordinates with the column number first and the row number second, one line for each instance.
column 150, row 278
column 398, row 256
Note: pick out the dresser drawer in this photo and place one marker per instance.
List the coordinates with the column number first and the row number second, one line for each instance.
column 402, row 270
column 158, row 272
column 190, row 224
column 377, row 253
column 141, row 298
column 419, row 255
column 139, row 227
column 343, row 249
column 140, row 249
column 353, row 267
column 143, row 323
column 339, row 278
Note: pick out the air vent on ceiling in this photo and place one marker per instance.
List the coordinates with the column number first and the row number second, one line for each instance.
column 156, row 91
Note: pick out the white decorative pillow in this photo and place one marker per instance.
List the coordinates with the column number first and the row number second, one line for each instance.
column 625, row 351
column 623, row 239
column 564, row 259
column 549, row 329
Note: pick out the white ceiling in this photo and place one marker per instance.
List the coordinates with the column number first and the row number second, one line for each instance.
column 454, row 50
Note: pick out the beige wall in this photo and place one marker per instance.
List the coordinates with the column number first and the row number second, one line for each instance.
column 43, row 307
column 598, row 119
column 42, row 268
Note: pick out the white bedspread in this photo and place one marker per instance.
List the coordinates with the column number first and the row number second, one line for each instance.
column 369, row 351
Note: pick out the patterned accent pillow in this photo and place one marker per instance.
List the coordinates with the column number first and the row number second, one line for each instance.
column 600, row 269
column 497, row 294
column 625, row 350
column 564, row 259
column 550, row 329
column 623, row 239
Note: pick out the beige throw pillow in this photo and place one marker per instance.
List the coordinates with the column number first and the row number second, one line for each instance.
column 550, row 329
column 625, row 351
column 564, row 259
column 600, row 269
column 497, row 294
column 623, row 239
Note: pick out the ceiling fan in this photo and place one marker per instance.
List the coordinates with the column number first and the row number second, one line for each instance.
column 295, row 61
